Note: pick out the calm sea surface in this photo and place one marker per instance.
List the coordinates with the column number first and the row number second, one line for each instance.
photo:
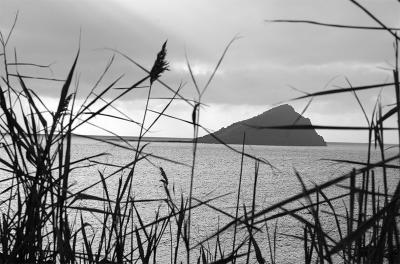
column 217, row 171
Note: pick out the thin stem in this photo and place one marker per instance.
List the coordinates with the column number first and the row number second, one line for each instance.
column 195, row 119
column 238, row 197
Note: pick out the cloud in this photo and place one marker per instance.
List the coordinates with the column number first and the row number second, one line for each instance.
column 258, row 70
column 197, row 68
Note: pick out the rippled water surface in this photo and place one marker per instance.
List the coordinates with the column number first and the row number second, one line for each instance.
column 217, row 171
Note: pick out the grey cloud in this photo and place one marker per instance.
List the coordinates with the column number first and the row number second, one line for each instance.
column 304, row 56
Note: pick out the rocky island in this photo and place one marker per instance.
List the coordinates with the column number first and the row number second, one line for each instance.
column 283, row 115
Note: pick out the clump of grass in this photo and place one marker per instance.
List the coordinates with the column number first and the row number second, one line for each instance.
column 44, row 221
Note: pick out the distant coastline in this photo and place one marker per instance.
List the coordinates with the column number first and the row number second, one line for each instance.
column 132, row 138
column 190, row 140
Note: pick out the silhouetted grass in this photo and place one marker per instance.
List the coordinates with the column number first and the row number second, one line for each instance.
column 45, row 220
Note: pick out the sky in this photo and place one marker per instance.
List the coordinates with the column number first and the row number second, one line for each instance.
column 269, row 64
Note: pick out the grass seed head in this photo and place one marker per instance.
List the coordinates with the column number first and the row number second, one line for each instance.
column 160, row 65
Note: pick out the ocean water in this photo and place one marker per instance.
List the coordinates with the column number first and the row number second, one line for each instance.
column 216, row 176
column 217, row 171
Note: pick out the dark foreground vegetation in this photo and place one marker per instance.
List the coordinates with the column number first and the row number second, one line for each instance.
column 41, row 222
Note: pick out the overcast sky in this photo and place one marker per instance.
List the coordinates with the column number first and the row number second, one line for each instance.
column 257, row 73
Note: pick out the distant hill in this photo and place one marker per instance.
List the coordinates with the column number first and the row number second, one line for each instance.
column 279, row 116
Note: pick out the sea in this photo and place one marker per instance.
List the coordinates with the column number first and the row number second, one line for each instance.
column 218, row 169
column 266, row 175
